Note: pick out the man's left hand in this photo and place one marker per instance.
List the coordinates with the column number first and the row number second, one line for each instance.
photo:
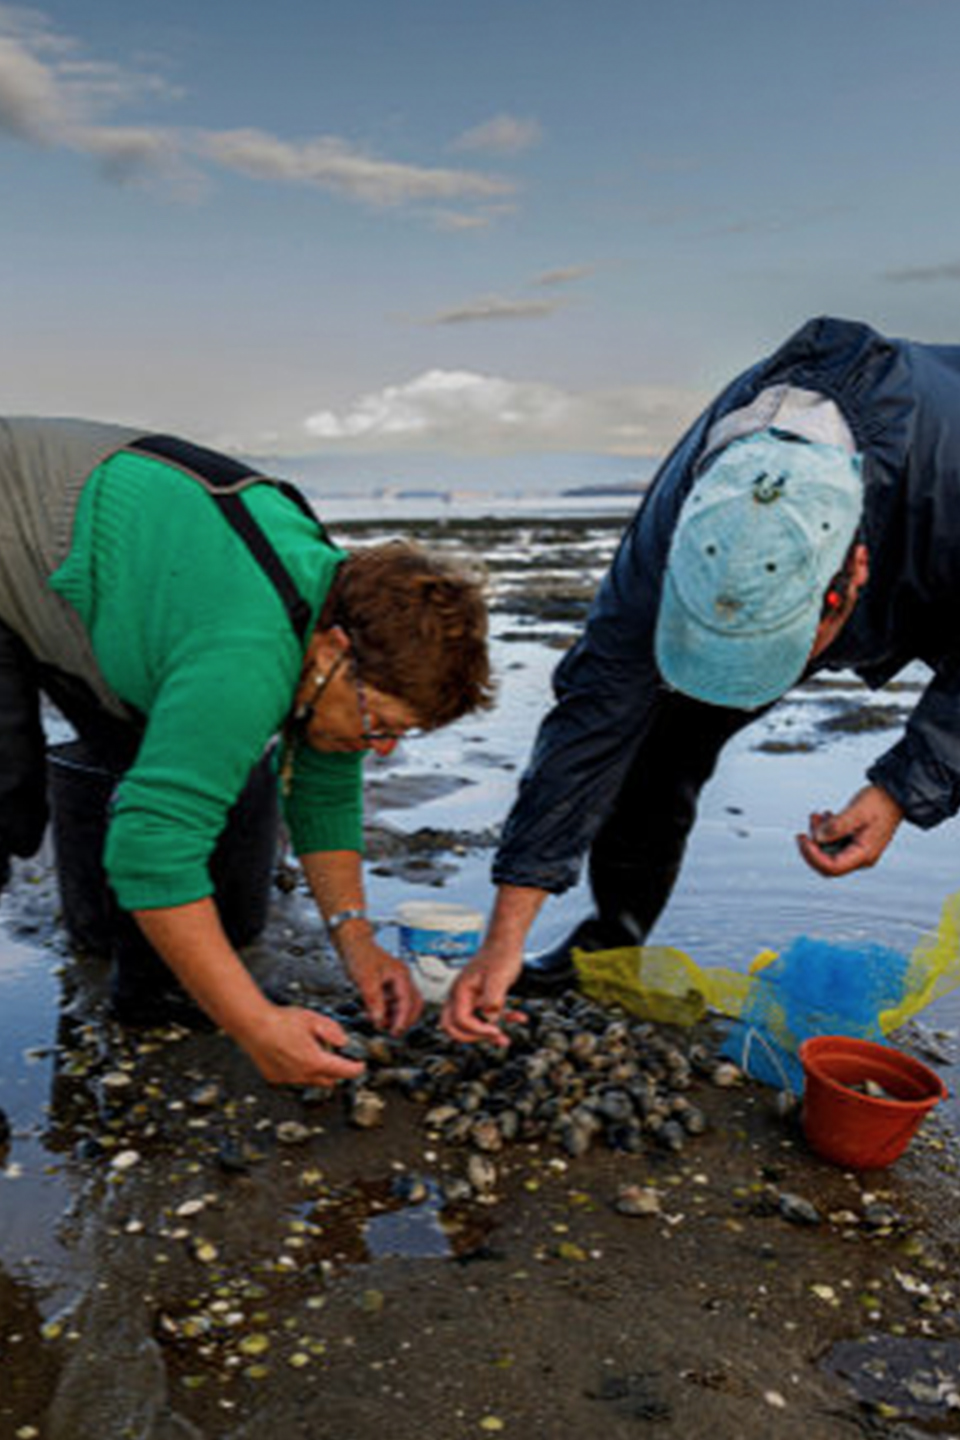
column 855, row 838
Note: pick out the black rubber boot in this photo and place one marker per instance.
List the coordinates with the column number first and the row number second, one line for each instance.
column 550, row 972
column 143, row 990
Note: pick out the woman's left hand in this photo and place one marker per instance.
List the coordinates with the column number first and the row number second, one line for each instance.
column 392, row 1000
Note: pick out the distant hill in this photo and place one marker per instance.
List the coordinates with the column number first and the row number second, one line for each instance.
column 338, row 475
column 624, row 487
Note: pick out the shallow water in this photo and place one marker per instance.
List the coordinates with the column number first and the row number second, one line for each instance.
column 33, row 1185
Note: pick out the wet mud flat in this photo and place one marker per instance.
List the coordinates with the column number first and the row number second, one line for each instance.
column 232, row 1260
column 187, row 1252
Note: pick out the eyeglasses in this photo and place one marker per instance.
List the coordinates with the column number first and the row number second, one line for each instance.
column 368, row 735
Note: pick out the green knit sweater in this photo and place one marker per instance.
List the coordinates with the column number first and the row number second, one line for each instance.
column 188, row 629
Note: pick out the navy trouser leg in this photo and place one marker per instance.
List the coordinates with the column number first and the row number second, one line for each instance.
column 143, row 987
column 637, row 853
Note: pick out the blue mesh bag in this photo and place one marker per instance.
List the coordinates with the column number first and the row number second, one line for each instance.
column 814, row 987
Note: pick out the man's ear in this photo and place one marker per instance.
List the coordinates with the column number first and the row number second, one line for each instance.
column 860, row 566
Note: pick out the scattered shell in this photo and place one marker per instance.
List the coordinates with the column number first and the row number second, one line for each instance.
column 205, row 1096
column 482, row 1174
column 125, row 1160
column 485, row 1134
column 638, row 1200
column 366, row 1109
column 255, row 1344
column 440, row 1115
column 844, row 1217
column 292, row 1132
column 190, row 1207
column 411, row 1188
column 726, row 1075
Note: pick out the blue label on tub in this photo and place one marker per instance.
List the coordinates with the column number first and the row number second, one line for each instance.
column 445, row 944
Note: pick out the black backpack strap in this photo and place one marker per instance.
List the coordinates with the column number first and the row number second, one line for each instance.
column 224, row 478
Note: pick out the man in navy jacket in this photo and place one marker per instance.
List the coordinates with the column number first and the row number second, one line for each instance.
column 835, row 461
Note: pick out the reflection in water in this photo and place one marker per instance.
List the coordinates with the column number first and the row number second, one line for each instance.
column 415, row 1231
column 32, row 1191
column 917, row 1379
column 28, row 1367
column 404, row 1218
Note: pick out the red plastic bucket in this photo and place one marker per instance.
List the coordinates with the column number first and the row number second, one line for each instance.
column 863, row 1132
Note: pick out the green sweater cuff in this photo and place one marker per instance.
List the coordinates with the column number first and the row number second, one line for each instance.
column 324, row 810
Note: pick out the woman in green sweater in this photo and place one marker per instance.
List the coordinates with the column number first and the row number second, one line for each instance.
column 178, row 604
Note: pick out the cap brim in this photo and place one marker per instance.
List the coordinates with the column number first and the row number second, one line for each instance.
column 738, row 672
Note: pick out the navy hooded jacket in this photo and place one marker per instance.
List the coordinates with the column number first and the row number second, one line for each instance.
column 901, row 400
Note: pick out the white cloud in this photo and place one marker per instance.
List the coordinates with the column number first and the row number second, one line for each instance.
column 496, row 307
column 465, row 411
column 129, row 152
column 54, row 96
column 501, row 135
column 31, row 104
column 924, row 274
column 334, row 164
column 464, row 220
column 566, row 275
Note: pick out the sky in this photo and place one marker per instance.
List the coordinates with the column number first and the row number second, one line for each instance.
column 484, row 228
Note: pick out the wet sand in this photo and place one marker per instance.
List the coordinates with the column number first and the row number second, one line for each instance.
column 185, row 1251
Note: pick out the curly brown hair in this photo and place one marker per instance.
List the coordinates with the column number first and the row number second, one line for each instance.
column 417, row 623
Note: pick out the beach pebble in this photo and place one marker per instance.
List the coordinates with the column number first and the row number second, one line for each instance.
column 235, row 1156
column 787, row 1104
column 798, row 1210
column 877, row 1215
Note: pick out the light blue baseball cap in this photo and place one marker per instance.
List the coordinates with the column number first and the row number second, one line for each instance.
column 758, row 539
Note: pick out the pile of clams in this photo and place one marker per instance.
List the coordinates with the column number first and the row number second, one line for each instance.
column 574, row 1075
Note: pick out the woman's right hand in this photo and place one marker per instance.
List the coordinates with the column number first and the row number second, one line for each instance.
column 294, row 1046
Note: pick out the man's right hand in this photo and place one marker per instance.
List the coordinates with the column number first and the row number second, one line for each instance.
column 475, row 1008
column 293, row 1046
